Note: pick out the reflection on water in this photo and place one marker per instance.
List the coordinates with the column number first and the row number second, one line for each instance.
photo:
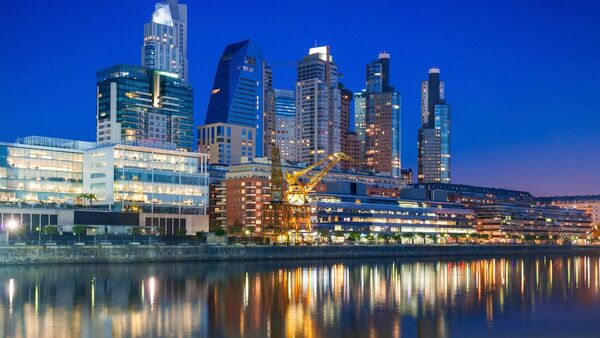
column 528, row 296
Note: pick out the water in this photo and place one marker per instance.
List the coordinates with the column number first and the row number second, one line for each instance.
column 497, row 297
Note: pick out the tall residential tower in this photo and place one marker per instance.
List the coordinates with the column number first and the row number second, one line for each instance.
column 318, row 106
column 382, row 134
column 434, row 134
column 165, row 39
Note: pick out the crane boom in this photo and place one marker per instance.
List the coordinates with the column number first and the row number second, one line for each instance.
column 335, row 158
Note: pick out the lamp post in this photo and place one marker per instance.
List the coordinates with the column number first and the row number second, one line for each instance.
column 248, row 234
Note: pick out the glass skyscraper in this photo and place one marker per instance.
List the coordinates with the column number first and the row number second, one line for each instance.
column 238, row 93
column 360, row 122
column 165, row 39
column 285, row 114
column 137, row 105
column 383, row 138
column 434, row 134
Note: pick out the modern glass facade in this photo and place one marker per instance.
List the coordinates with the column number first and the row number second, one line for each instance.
column 138, row 105
column 285, row 114
column 360, row 119
column 145, row 179
column 237, row 96
column 40, row 170
column 227, row 143
column 442, row 123
column 434, row 134
column 351, row 213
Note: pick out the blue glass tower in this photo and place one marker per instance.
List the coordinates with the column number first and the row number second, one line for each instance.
column 237, row 94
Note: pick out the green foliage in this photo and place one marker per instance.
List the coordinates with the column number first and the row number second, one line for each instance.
column 337, row 233
column 180, row 232
column 199, row 234
column 79, row 230
column 220, row 232
column 50, row 230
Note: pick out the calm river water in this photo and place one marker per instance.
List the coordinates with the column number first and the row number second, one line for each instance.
column 496, row 297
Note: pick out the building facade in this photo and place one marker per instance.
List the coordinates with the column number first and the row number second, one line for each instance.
column 227, row 143
column 434, row 134
column 360, row 123
column 150, row 180
column 238, row 94
column 41, row 171
column 383, row 120
column 285, row 114
column 318, row 106
column 136, row 104
column 165, row 39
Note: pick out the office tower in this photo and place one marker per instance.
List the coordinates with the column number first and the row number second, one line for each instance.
column 383, row 143
column 434, row 134
column 360, row 123
column 165, row 39
column 238, row 99
column 140, row 105
column 285, row 112
column 318, row 106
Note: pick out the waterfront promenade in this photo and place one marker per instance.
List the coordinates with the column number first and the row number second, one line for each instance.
column 58, row 254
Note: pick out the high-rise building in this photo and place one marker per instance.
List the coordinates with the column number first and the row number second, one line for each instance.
column 382, row 134
column 140, row 105
column 434, row 134
column 165, row 39
column 238, row 95
column 269, row 118
column 360, row 123
column 318, row 106
column 350, row 144
column 227, row 143
column 285, row 112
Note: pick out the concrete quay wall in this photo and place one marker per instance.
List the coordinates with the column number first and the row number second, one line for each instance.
column 14, row 255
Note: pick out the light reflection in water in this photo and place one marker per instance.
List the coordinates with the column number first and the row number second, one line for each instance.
column 370, row 298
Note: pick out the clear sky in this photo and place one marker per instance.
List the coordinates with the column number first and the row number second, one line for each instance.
column 522, row 77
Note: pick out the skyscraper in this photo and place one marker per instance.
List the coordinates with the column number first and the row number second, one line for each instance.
column 285, row 112
column 318, row 106
column 165, row 39
column 139, row 105
column 242, row 94
column 434, row 134
column 360, row 123
column 383, row 139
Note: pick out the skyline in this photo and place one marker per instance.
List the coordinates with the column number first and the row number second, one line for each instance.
column 480, row 144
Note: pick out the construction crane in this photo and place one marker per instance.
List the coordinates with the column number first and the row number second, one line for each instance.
column 297, row 213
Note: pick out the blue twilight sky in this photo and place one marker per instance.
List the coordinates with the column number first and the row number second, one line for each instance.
column 522, row 76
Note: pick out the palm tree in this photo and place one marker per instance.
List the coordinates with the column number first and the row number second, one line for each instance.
column 89, row 197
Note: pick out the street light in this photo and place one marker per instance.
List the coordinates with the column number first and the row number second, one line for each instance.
column 10, row 225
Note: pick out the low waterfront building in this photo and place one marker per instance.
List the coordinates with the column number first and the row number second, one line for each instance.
column 388, row 215
column 161, row 186
column 522, row 219
column 503, row 212
column 589, row 203
column 41, row 171
column 153, row 180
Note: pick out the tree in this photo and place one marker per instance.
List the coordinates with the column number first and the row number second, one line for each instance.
column 79, row 230
column 220, row 232
column 199, row 235
column 236, row 228
column 88, row 197
column 181, row 232
column 50, row 230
